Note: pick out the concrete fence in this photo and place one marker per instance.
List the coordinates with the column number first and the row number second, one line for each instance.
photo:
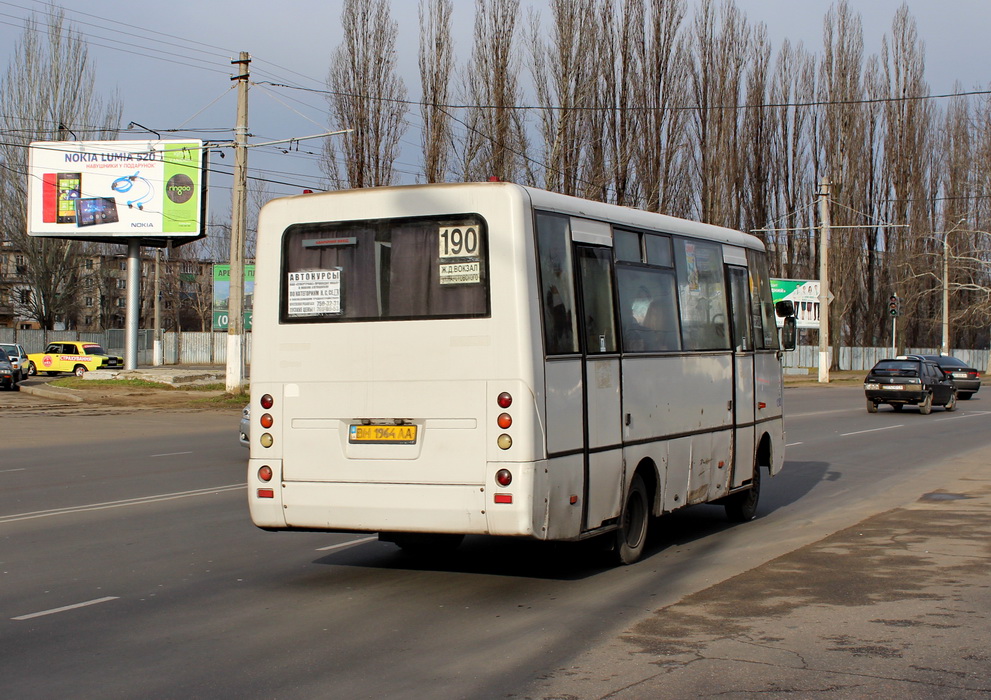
column 194, row 348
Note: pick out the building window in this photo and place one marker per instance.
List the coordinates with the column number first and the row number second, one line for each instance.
column 122, row 303
column 89, row 301
column 122, row 284
column 89, row 263
column 25, row 296
column 122, row 264
column 88, row 320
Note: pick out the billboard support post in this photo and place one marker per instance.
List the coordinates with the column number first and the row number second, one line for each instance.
column 133, row 303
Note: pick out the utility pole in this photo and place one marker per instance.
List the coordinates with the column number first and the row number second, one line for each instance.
column 235, row 310
column 824, row 359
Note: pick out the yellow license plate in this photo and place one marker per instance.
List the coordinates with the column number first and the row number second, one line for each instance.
column 384, row 434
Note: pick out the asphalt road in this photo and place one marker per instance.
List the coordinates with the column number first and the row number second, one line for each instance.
column 129, row 567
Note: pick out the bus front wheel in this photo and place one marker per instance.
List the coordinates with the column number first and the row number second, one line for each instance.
column 742, row 507
column 632, row 533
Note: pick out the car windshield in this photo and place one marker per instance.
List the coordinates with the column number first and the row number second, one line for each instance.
column 3, row 356
column 897, row 368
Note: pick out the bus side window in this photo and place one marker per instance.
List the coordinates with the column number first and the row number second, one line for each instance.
column 649, row 307
column 599, row 326
column 557, row 289
column 702, row 293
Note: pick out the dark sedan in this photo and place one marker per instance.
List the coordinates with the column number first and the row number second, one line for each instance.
column 966, row 378
column 910, row 381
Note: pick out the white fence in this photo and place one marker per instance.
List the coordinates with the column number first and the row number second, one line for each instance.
column 189, row 348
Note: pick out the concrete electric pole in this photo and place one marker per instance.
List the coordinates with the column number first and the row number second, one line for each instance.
column 824, row 358
column 239, row 214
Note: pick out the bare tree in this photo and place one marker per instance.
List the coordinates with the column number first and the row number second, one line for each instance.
column 495, row 144
column 436, row 64
column 367, row 96
column 661, row 88
column 48, row 94
column 563, row 78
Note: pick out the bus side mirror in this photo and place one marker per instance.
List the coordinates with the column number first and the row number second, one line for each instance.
column 784, row 309
column 789, row 333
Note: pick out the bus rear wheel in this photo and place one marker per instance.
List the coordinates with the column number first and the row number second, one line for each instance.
column 632, row 533
column 742, row 507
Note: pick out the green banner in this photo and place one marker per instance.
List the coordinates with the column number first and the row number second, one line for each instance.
column 222, row 295
column 181, row 181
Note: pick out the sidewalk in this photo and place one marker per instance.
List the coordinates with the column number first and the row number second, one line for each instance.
column 897, row 606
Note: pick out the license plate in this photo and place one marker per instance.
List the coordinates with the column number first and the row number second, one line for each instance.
column 383, row 434
column 959, row 375
column 895, row 387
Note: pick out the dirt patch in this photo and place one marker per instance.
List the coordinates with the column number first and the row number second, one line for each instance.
column 126, row 394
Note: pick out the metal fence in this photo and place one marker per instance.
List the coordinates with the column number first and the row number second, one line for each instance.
column 184, row 348
column 195, row 348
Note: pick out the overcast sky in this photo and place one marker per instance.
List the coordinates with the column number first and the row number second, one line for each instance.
column 170, row 61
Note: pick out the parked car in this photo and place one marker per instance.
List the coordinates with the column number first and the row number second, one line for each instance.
column 909, row 380
column 73, row 356
column 6, row 373
column 242, row 433
column 18, row 358
column 966, row 378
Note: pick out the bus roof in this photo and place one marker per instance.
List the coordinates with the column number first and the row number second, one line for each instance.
column 575, row 206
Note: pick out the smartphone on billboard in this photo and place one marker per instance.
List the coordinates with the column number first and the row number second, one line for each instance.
column 49, row 197
column 68, row 193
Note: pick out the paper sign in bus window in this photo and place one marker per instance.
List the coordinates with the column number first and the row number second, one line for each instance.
column 458, row 248
column 314, row 292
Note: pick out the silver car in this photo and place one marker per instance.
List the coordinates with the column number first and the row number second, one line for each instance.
column 242, row 433
column 18, row 358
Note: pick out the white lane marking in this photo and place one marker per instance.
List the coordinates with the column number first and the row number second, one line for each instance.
column 7, row 471
column 172, row 454
column 118, row 504
column 345, row 545
column 792, row 444
column 66, row 607
column 872, row 430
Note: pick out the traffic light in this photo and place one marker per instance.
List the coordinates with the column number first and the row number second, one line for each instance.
column 893, row 306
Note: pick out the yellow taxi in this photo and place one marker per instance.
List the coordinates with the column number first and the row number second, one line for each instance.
column 73, row 356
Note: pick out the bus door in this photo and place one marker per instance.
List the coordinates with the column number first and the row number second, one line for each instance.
column 743, row 371
column 603, row 429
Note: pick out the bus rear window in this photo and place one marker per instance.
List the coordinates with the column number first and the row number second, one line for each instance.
column 386, row 269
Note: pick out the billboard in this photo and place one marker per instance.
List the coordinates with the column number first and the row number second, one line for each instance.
column 222, row 295
column 98, row 190
column 804, row 294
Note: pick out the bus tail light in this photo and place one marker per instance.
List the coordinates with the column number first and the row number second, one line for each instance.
column 504, row 498
column 267, row 401
column 266, row 440
column 504, row 442
column 265, row 473
column 505, row 400
column 504, row 477
column 266, row 493
column 266, row 420
column 505, row 420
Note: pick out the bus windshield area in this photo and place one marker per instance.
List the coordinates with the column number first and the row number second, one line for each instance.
column 386, row 269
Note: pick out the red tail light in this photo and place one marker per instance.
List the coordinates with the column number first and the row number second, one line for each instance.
column 265, row 473
column 266, row 493
column 267, row 401
column 505, row 400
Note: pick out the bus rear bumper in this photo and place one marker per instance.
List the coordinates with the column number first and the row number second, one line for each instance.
column 372, row 507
